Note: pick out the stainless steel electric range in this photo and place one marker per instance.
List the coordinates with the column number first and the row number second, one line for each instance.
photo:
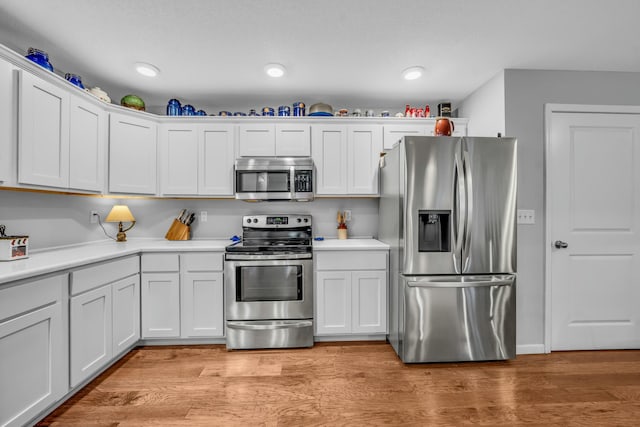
column 268, row 278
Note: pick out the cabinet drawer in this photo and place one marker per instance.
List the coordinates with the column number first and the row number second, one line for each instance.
column 195, row 262
column 28, row 296
column 97, row 275
column 351, row 260
column 160, row 263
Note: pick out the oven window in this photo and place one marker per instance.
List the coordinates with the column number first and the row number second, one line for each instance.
column 269, row 283
column 262, row 181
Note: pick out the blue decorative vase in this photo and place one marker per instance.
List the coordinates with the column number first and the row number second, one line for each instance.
column 40, row 57
column 74, row 79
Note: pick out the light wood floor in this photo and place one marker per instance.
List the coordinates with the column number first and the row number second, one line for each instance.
column 355, row 384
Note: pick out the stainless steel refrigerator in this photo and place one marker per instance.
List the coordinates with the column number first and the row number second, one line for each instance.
column 448, row 211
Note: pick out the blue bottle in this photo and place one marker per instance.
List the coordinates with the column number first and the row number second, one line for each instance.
column 40, row 57
column 174, row 108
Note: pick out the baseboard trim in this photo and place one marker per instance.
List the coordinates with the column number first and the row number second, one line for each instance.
column 530, row 349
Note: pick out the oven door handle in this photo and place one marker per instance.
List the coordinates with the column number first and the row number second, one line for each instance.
column 269, row 324
column 246, row 257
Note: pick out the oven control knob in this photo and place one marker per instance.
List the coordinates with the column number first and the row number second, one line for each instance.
column 306, row 220
column 248, row 220
column 299, row 220
column 255, row 220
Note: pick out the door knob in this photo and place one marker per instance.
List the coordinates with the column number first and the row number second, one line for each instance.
column 560, row 244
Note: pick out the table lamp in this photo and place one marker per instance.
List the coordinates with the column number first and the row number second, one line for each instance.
column 120, row 214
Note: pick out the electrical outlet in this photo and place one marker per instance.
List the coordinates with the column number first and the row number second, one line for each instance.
column 93, row 219
column 347, row 215
column 526, row 216
column 203, row 216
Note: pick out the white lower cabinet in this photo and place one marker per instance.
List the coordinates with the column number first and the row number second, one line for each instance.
column 104, row 315
column 202, row 299
column 160, row 295
column 33, row 343
column 351, row 292
column 182, row 295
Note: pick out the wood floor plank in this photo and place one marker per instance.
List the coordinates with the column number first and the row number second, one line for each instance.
column 361, row 383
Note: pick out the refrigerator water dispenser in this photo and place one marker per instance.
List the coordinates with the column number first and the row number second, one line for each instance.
column 434, row 231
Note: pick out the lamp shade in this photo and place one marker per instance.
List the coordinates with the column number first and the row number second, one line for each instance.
column 120, row 213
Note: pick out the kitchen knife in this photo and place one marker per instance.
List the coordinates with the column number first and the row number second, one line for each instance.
column 182, row 212
column 192, row 217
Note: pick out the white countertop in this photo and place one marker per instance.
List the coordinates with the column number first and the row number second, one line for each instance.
column 64, row 258
column 349, row 245
column 58, row 259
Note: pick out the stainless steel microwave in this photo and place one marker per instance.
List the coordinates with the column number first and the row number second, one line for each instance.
column 274, row 178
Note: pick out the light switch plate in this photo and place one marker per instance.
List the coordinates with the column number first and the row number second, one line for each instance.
column 526, row 216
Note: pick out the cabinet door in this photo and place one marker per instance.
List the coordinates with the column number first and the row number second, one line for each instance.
column 364, row 147
column 369, row 301
column 333, row 302
column 160, row 296
column 329, row 152
column 8, row 121
column 293, row 140
column 90, row 333
column 257, row 139
column 179, row 159
column 43, row 157
column 132, row 155
column 202, row 305
column 216, row 160
column 393, row 133
column 87, row 137
column 32, row 372
column 126, row 313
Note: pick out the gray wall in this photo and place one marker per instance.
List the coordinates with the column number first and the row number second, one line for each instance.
column 526, row 93
column 53, row 220
column 485, row 108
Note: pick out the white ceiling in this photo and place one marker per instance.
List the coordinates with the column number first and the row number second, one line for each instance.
column 348, row 53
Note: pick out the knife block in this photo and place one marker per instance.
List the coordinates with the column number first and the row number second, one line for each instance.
column 178, row 231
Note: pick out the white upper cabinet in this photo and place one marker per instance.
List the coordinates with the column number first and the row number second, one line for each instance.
column 61, row 137
column 43, row 133
column 268, row 139
column 87, row 145
column 346, row 158
column 393, row 133
column 364, row 144
column 293, row 140
column 196, row 159
column 132, row 154
column 179, row 159
column 329, row 149
column 8, row 131
column 216, row 159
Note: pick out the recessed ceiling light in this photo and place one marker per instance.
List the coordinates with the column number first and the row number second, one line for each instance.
column 274, row 70
column 412, row 73
column 147, row 70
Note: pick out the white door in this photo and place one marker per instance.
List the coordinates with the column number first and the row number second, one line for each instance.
column 329, row 152
column 179, row 159
column 160, row 296
column 132, row 154
column 216, row 157
column 87, row 139
column 202, row 308
column 593, row 196
column 369, row 301
column 43, row 134
column 333, row 302
column 363, row 153
column 126, row 313
column 91, row 333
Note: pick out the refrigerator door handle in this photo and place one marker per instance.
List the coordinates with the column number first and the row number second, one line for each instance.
column 460, row 284
column 458, row 210
column 468, row 183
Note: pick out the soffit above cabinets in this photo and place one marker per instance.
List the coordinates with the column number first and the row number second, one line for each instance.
column 349, row 54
